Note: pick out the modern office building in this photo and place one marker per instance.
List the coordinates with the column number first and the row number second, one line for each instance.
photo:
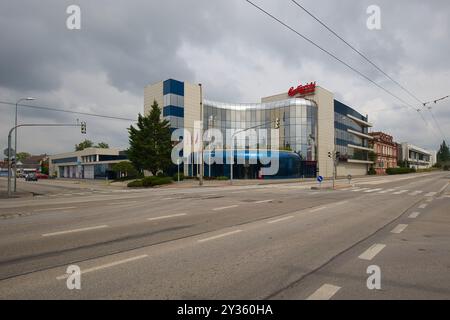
column 386, row 151
column 311, row 122
column 416, row 157
column 90, row 163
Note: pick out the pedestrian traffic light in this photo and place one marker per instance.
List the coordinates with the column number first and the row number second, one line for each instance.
column 277, row 123
column 338, row 154
column 83, row 127
column 329, row 154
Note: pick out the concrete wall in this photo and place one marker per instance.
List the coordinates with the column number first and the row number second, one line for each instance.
column 191, row 109
column 151, row 93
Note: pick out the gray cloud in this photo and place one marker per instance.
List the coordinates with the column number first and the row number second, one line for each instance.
column 237, row 53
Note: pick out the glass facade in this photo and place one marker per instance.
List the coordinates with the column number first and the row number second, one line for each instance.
column 342, row 125
column 298, row 122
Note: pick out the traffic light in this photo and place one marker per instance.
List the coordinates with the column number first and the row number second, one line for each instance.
column 83, row 127
column 338, row 154
column 329, row 154
column 277, row 123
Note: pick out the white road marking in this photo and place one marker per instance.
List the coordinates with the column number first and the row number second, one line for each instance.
column 73, row 231
column 318, row 209
column 399, row 228
column 167, row 217
column 370, row 253
column 54, row 209
column 373, row 190
column 220, row 236
column 108, row 265
column 423, row 205
column 415, row 193
column 430, row 194
column 281, row 219
column 387, row 190
column 263, row 201
column 400, row 192
column 429, row 200
column 362, row 189
column 325, row 292
column 444, row 187
column 121, row 203
column 164, row 199
column 224, row 208
column 414, row 215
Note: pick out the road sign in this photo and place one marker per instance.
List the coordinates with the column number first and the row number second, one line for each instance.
column 5, row 152
column 320, row 178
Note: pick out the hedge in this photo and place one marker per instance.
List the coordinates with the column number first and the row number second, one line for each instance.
column 135, row 184
column 149, row 182
column 400, row 170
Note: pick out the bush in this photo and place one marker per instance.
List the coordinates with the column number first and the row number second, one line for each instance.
column 149, row 182
column 446, row 167
column 400, row 170
column 135, row 184
column 371, row 172
column 223, row 178
column 175, row 177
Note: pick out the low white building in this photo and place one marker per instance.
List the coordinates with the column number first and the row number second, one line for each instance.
column 417, row 157
column 90, row 163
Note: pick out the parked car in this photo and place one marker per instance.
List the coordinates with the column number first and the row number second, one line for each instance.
column 31, row 177
column 42, row 176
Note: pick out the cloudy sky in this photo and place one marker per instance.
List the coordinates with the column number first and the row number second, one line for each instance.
column 237, row 53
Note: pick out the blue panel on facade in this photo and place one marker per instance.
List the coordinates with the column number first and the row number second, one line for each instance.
column 343, row 109
column 173, row 111
column 65, row 160
column 173, row 86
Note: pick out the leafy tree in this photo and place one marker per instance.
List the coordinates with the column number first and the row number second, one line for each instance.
column 102, row 145
column 22, row 156
column 443, row 154
column 150, row 142
column 125, row 167
column 83, row 145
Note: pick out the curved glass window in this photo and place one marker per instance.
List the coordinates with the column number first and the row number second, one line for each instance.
column 298, row 122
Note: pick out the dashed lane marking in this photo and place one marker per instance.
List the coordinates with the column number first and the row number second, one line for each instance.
column 108, row 265
column 414, row 215
column 73, row 231
column 279, row 220
column 423, row 205
column 167, row 217
column 325, row 292
column 220, row 236
column 399, row 228
column 224, row 208
column 370, row 253
column 400, row 192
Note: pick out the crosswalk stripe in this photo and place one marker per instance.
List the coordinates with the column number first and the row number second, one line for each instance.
column 373, row 190
column 415, row 193
column 400, row 192
column 430, row 194
column 387, row 190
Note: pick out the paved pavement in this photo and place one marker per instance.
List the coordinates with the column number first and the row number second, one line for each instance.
column 280, row 241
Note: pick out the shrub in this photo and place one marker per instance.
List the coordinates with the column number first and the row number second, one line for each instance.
column 175, row 177
column 135, row 184
column 223, row 178
column 371, row 171
column 400, row 170
column 446, row 167
column 149, row 182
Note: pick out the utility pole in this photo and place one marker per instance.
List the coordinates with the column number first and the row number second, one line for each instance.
column 15, row 140
column 200, row 182
column 83, row 126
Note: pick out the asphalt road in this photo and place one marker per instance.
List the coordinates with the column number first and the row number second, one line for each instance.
column 280, row 241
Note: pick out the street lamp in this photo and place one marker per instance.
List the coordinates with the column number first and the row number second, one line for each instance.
column 15, row 140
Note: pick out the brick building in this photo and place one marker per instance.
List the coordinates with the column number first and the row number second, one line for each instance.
column 386, row 150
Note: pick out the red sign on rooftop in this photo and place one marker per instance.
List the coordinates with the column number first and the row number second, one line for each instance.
column 309, row 88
